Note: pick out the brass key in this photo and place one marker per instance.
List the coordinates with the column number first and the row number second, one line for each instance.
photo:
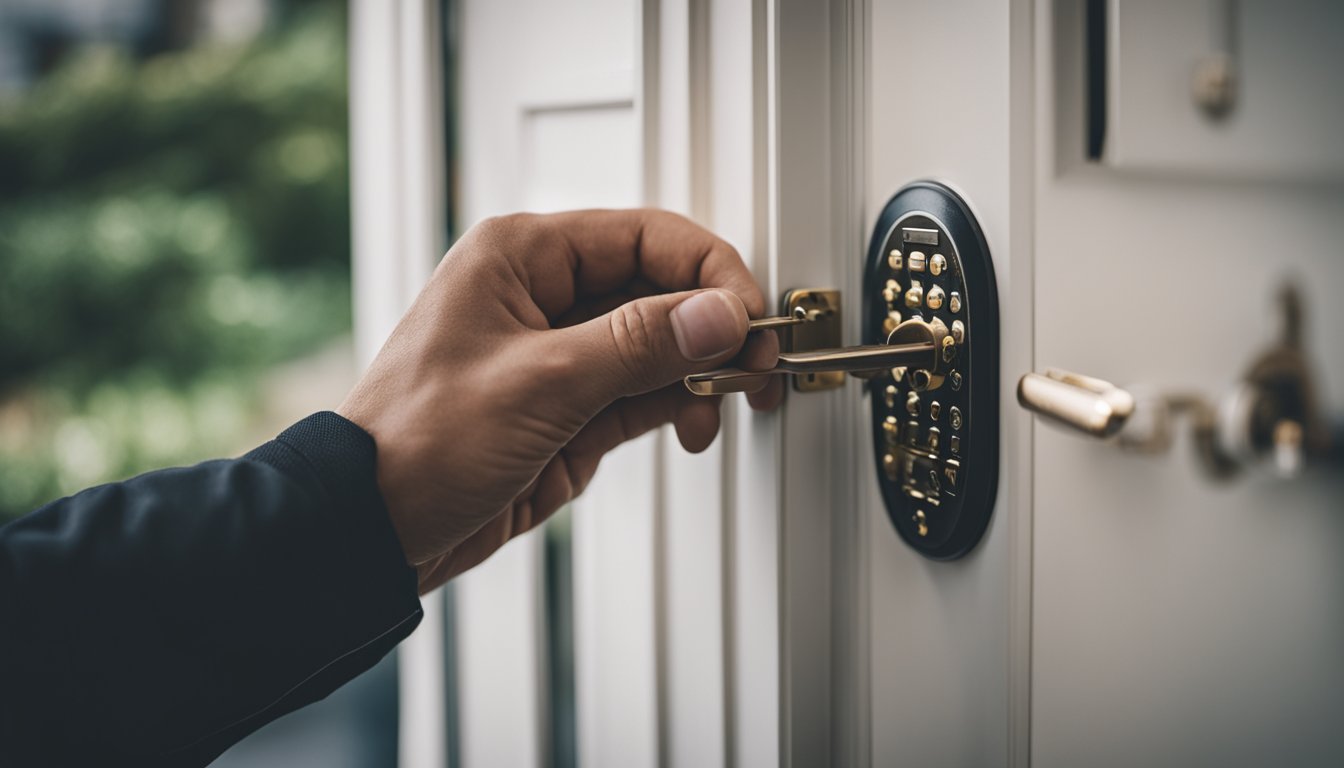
column 800, row 315
column 914, row 344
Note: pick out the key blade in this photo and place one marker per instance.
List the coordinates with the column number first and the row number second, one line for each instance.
column 725, row 381
column 856, row 359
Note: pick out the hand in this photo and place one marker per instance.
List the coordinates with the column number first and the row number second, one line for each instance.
column 540, row 343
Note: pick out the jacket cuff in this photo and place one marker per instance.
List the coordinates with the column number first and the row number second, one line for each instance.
column 336, row 458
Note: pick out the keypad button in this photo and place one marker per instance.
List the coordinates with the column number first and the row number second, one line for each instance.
column 890, row 395
column 937, row 264
column 934, row 436
column 958, row 331
column 951, row 480
column 954, row 417
column 917, row 261
column 955, row 378
column 915, row 296
column 892, row 292
column 935, row 298
column 935, row 410
column 894, row 260
column 954, row 444
column 954, row 302
column 912, row 404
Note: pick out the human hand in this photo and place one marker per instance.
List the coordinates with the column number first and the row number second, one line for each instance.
column 540, row 343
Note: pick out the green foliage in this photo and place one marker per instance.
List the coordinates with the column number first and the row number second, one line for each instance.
column 168, row 230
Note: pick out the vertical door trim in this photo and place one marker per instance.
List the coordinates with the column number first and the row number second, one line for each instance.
column 1019, row 355
column 851, row 719
column 816, row 79
column 694, row 727
column 399, row 223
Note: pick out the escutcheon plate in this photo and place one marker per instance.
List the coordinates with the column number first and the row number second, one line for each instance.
column 936, row 442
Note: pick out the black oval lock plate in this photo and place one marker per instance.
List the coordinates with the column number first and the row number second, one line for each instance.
column 935, row 439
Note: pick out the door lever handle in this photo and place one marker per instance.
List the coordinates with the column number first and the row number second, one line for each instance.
column 1092, row 406
column 913, row 344
column 1272, row 413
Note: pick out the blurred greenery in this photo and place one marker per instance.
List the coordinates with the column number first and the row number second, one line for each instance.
column 169, row 230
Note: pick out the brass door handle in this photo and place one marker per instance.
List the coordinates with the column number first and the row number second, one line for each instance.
column 913, row 344
column 1271, row 414
column 1092, row 406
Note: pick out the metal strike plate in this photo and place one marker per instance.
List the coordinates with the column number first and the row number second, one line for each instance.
column 935, row 432
column 823, row 332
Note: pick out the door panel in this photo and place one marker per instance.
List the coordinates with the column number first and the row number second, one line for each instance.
column 1178, row 620
column 549, row 120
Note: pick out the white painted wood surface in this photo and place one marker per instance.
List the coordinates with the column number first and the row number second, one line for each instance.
column 551, row 119
column 947, row 638
column 398, row 223
column 1179, row 621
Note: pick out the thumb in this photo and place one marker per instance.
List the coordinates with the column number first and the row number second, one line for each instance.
column 649, row 343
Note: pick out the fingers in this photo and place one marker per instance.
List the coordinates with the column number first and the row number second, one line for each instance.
column 581, row 254
column 696, row 420
column 645, row 345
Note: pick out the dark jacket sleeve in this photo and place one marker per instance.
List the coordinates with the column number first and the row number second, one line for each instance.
column 160, row 620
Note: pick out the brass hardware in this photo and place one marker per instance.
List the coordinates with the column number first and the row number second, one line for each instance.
column 892, row 427
column 937, row 263
column 1270, row 415
column 800, row 315
column 814, row 352
column 935, row 298
column 1094, row 406
column 826, row 333
column 856, row 360
column 891, row 292
column 915, row 296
